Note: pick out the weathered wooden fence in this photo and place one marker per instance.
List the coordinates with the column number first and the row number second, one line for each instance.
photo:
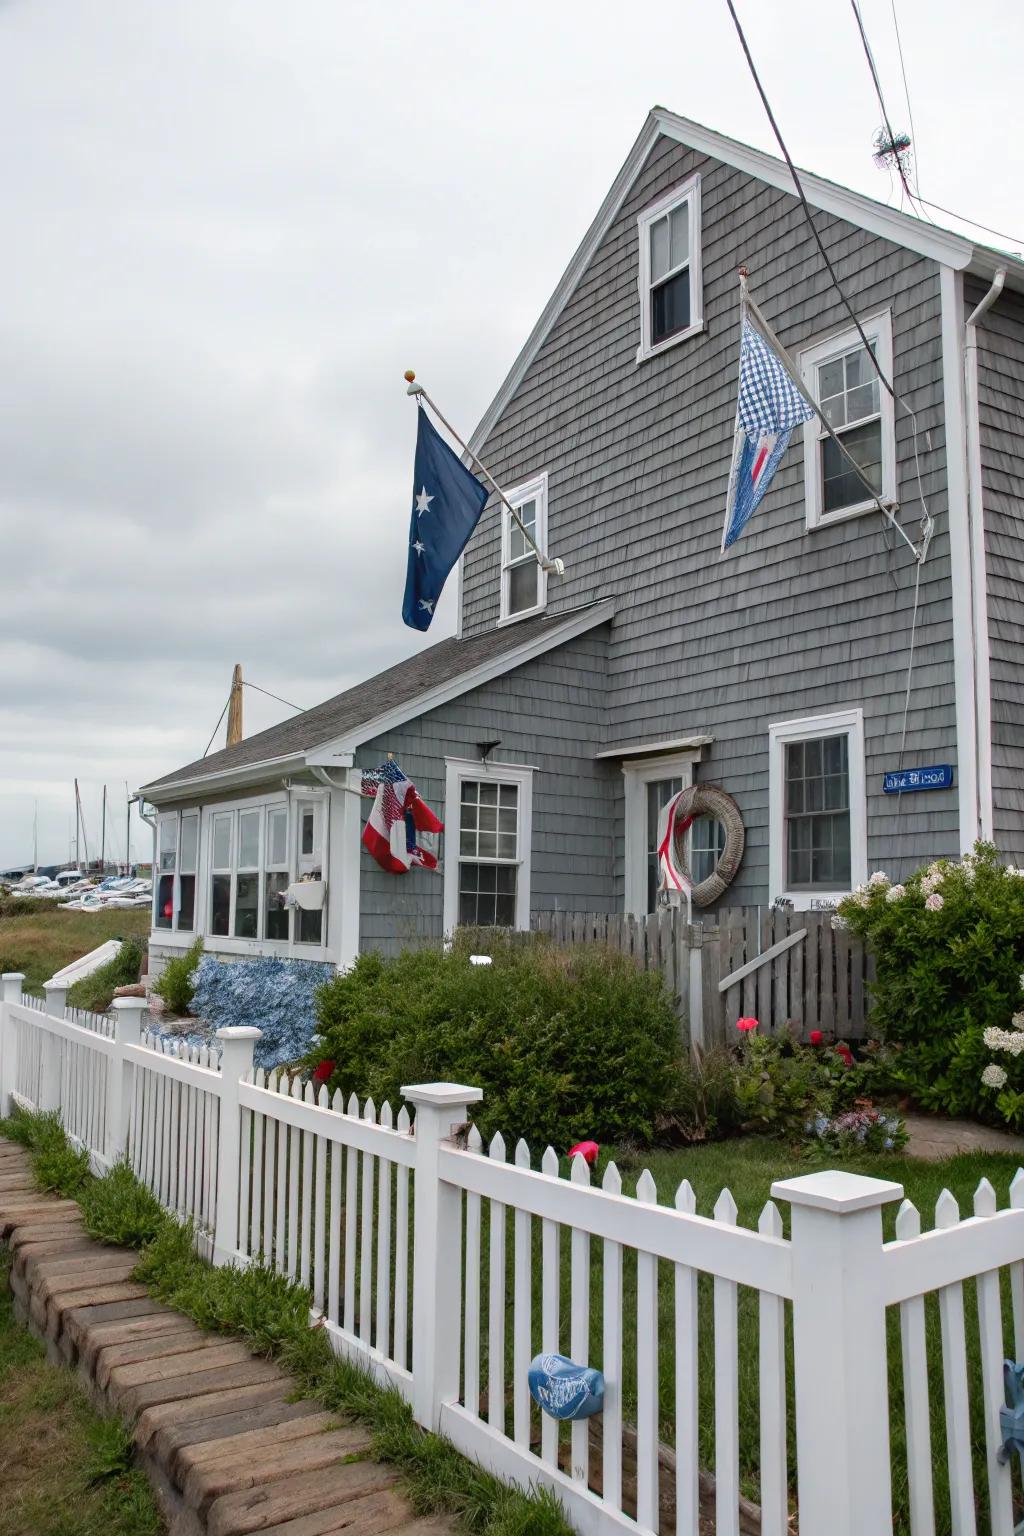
column 512, row 1258
column 786, row 969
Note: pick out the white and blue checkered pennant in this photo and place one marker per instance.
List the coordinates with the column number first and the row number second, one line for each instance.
column 769, row 401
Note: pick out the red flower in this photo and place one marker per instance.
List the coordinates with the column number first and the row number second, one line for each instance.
column 588, row 1150
column 746, row 1025
column 844, row 1053
column 816, row 1037
column 323, row 1071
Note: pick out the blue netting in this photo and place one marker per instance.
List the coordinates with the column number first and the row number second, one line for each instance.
column 274, row 994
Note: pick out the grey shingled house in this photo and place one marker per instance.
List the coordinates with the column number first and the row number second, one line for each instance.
column 548, row 733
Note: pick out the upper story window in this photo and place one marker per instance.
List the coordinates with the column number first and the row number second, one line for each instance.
column 174, row 901
column 817, row 817
column 523, row 583
column 842, row 378
column 671, row 291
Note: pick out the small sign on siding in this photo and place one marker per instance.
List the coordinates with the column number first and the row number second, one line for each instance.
column 907, row 780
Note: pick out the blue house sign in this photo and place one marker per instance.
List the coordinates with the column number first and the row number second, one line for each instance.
column 906, row 780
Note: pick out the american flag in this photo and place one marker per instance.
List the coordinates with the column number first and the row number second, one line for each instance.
column 401, row 827
column 768, row 408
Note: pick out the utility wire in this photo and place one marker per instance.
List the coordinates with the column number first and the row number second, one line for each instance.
column 881, row 100
column 216, row 728
column 1017, row 240
column 301, row 708
column 906, row 93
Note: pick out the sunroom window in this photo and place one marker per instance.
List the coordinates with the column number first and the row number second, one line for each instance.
column 256, row 853
column 174, row 904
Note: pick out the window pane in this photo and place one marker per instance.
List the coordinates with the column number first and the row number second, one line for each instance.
column 658, row 795
column 841, row 485
column 277, row 836
column 164, row 902
column 310, row 927
column 508, row 795
column 467, row 843
column 659, row 249
column 518, row 548
column 488, row 795
column 248, row 839
column 488, row 848
column 522, row 586
column 189, row 844
column 220, row 903
column 817, row 812
column 670, row 307
column 861, row 402
column 308, row 826
column 470, row 791
column 506, row 818
column 488, row 818
column 187, row 897
column 168, row 841
column 487, row 895
column 276, row 918
column 707, row 843
column 506, row 846
column 222, row 843
column 679, row 240
column 247, row 901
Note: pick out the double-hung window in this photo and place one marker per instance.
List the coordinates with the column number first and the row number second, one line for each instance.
column 818, row 848
column 256, row 852
column 842, row 471
column 671, row 291
column 174, row 904
column 523, row 582
column 487, row 845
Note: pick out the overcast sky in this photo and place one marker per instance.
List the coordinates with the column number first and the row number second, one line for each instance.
column 230, row 225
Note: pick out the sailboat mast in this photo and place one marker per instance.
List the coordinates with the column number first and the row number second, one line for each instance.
column 103, row 834
column 78, row 821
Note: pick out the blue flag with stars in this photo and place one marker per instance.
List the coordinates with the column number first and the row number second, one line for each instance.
column 446, row 505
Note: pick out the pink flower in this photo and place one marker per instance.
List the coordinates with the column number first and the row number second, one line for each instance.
column 746, row 1025
column 844, row 1053
column 816, row 1037
column 935, row 903
column 588, row 1150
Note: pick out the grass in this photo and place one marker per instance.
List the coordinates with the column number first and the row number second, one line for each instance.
column 64, row 1469
column 40, row 937
column 272, row 1315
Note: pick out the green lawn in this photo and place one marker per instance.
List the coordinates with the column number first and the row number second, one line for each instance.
column 748, row 1167
column 64, row 1470
column 40, row 937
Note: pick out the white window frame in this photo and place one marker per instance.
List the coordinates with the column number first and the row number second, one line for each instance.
column 877, row 328
column 687, row 192
column 163, row 819
column 637, row 774
column 534, row 490
column 457, row 771
column 845, row 722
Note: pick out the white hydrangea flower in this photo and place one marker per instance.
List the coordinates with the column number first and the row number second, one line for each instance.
column 1014, row 870
column 1020, row 980
column 927, row 885
column 879, row 878
column 1009, row 1040
column 895, row 892
column 994, row 1076
column 839, row 922
column 935, row 902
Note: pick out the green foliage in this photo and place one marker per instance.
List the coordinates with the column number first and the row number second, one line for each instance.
column 781, row 1084
column 57, row 1167
column 564, row 1043
column 174, row 984
column 39, row 938
column 119, row 1210
column 945, row 974
column 96, row 992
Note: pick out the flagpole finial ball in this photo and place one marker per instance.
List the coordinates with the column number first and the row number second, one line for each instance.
column 409, row 376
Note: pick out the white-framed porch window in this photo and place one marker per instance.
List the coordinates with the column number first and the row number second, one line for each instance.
column 310, row 861
column 488, row 840
column 524, row 585
column 257, row 848
column 840, row 376
column 649, row 784
column 174, row 890
column 670, row 279
column 817, row 818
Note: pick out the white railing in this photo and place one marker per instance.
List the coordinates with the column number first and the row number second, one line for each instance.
column 444, row 1267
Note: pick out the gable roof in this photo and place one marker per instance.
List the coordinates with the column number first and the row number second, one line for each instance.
column 878, row 218
column 401, row 693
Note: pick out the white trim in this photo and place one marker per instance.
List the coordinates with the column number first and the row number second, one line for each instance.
column 876, row 218
column 844, row 722
column 225, row 778
column 650, row 748
column 878, row 328
column 979, row 580
column 636, row 777
column 575, row 623
column 456, row 770
column 687, row 192
column 964, row 672
column 535, row 490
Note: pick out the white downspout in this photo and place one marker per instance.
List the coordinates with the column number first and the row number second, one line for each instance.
column 978, row 569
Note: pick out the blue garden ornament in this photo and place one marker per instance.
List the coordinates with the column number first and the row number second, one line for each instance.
column 565, row 1390
column 1011, row 1417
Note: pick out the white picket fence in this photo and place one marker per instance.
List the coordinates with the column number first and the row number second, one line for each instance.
column 443, row 1267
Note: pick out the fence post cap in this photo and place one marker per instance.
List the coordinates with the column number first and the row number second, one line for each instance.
column 239, row 1032
column 12, row 976
column 837, row 1191
column 56, row 986
column 128, row 1004
column 441, row 1095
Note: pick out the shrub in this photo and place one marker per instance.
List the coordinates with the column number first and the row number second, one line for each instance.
column 119, row 1209
column 272, row 993
column 96, row 992
column 176, row 982
column 949, row 952
column 565, row 1044
column 856, row 1130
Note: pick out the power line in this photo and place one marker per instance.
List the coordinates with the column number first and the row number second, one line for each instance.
column 1017, row 240
column 881, row 101
column 301, row 708
column 216, row 728
column 906, row 93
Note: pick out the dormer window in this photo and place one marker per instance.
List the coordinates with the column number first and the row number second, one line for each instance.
column 671, row 294
column 523, row 583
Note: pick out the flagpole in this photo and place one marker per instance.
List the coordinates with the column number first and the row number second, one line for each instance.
column 750, row 305
column 552, row 567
